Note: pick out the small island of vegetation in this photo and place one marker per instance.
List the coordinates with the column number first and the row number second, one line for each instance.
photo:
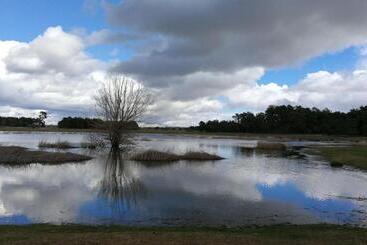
column 15, row 155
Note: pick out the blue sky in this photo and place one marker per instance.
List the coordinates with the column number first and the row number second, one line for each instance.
column 241, row 63
column 344, row 60
column 25, row 20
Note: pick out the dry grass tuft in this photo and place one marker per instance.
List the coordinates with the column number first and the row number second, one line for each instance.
column 200, row 156
column 152, row 155
column 14, row 155
column 57, row 144
column 270, row 146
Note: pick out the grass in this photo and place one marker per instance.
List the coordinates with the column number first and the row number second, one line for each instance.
column 14, row 155
column 67, row 145
column 355, row 156
column 270, row 146
column 197, row 156
column 57, row 144
column 278, row 234
column 152, row 155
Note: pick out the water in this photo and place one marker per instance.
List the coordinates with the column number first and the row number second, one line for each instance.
column 246, row 188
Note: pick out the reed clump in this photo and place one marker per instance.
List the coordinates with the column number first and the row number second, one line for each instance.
column 15, row 155
column 200, row 156
column 153, row 155
column 270, row 146
column 57, row 145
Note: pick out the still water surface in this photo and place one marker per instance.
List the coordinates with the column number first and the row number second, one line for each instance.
column 246, row 188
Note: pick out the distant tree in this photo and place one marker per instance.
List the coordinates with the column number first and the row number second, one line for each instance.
column 41, row 118
column 79, row 122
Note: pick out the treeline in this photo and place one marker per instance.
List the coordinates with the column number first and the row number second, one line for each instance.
column 79, row 122
column 293, row 120
column 88, row 123
column 18, row 122
column 24, row 121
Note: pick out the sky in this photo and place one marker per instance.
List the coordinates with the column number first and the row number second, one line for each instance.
column 201, row 59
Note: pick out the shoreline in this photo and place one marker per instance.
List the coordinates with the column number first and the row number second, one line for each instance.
column 219, row 135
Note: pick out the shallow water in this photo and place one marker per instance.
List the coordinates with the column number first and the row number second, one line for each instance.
column 246, row 188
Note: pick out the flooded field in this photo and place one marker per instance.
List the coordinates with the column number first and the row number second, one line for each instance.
column 248, row 187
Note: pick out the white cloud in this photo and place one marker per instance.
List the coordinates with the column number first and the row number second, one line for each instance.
column 256, row 97
column 336, row 91
column 52, row 72
column 184, row 113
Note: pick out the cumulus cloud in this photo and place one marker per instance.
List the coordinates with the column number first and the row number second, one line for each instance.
column 336, row 91
column 52, row 72
column 184, row 113
column 227, row 36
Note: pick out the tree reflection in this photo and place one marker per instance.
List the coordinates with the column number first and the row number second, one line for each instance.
column 119, row 187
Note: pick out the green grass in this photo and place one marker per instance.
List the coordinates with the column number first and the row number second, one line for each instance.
column 355, row 156
column 278, row 234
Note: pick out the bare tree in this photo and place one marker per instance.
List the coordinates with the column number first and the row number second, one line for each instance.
column 120, row 101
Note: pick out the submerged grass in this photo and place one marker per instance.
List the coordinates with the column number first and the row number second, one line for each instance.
column 153, row 155
column 87, row 145
column 355, row 156
column 277, row 234
column 15, row 155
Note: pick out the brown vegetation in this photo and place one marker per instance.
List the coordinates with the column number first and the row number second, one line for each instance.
column 196, row 155
column 152, row 155
column 262, row 145
column 14, row 155
column 57, row 144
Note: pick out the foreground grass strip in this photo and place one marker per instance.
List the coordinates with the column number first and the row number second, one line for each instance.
column 15, row 155
column 280, row 234
column 355, row 156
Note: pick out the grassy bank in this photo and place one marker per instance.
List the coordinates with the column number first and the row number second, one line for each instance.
column 355, row 156
column 281, row 234
column 45, row 129
column 15, row 155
